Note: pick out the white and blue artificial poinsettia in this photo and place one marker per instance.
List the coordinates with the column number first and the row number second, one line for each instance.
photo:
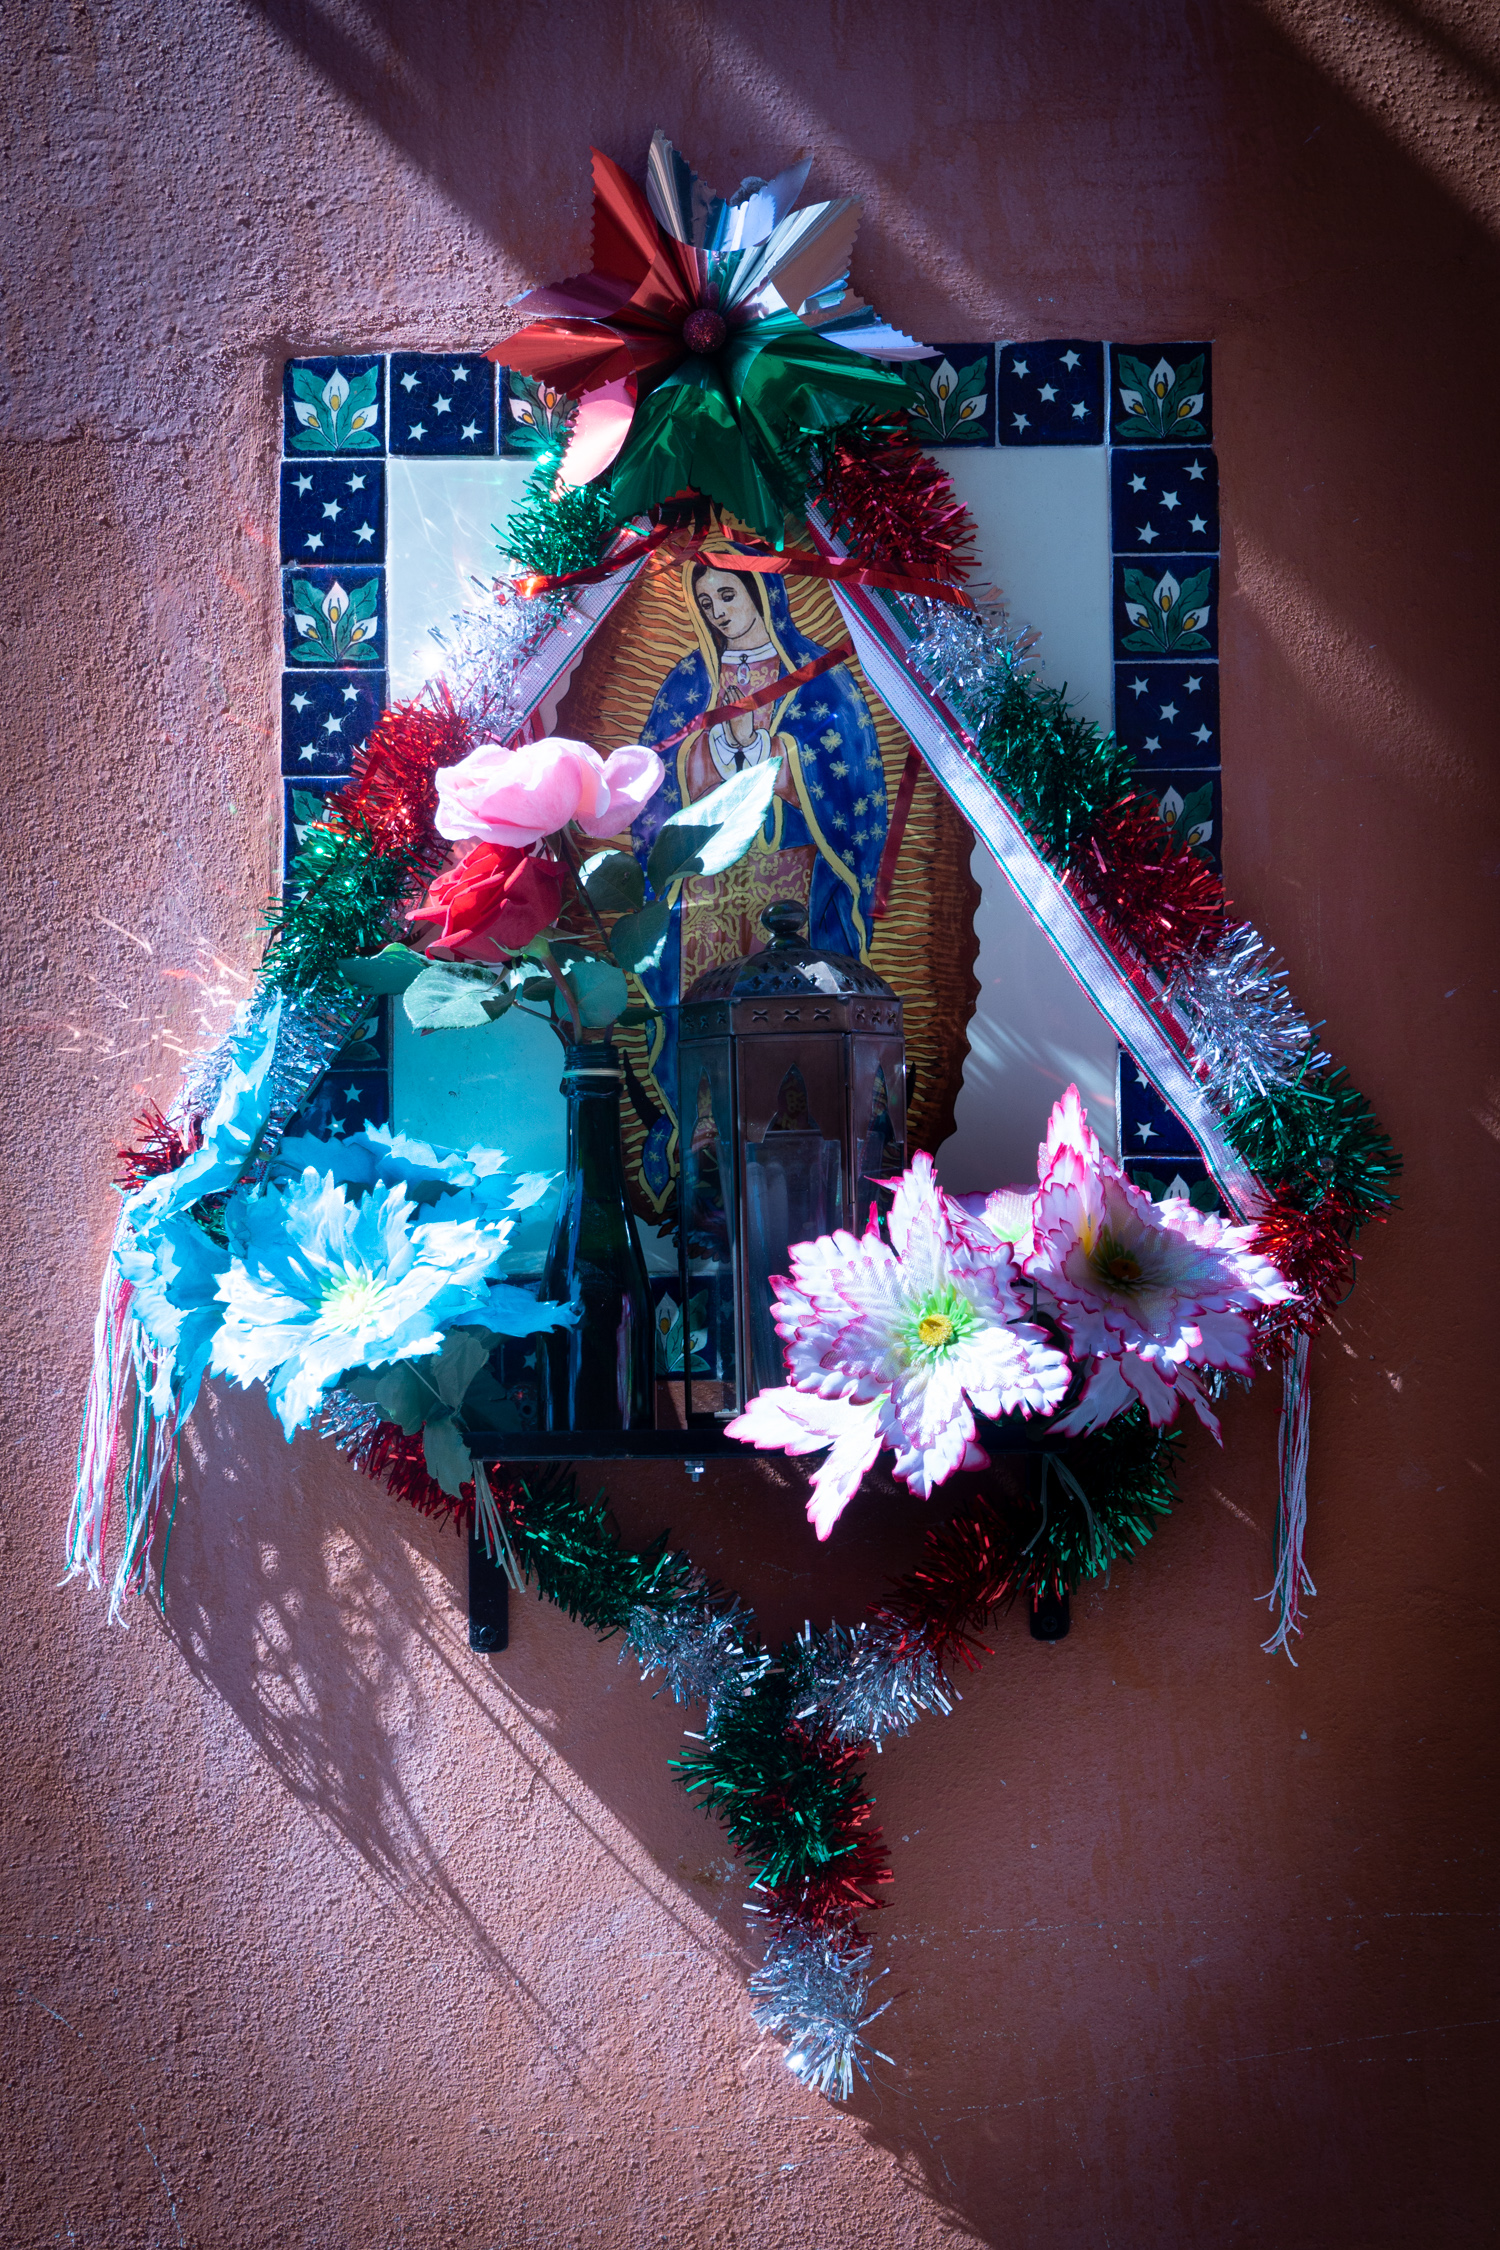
column 230, row 1133
column 320, row 1282
column 174, row 1273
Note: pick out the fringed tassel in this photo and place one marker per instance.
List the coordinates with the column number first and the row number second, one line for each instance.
column 153, row 1469
column 99, row 1442
column 1292, row 1580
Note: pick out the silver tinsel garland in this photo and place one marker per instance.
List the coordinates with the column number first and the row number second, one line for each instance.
column 867, row 1681
column 814, row 1990
column 1248, row 1033
column 704, row 1647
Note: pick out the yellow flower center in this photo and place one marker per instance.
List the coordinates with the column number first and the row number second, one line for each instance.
column 935, row 1329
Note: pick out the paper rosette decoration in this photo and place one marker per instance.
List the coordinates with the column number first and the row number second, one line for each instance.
column 714, row 336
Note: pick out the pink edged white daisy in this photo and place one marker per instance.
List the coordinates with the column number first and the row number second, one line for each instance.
column 896, row 1344
column 1148, row 1291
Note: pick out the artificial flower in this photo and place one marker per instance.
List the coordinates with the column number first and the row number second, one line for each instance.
column 449, row 1182
column 496, row 900
column 232, row 1130
column 318, row 1284
column 920, row 1331
column 712, row 335
column 518, row 796
column 1147, row 1291
column 174, row 1274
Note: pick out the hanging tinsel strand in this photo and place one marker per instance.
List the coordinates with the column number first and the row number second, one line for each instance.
column 813, row 1988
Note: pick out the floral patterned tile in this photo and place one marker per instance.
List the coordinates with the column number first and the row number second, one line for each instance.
column 442, row 403
column 1161, row 394
column 345, row 1101
column 333, row 405
column 332, row 511
column 1147, row 1126
column 1168, row 606
column 302, row 804
column 335, row 616
column 1164, row 1177
column 1168, row 714
column 1164, row 496
column 952, row 395
column 325, row 718
column 1050, row 393
column 368, row 1046
column 532, row 413
column 1191, row 804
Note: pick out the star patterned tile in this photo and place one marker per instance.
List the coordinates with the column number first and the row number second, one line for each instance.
column 302, row 806
column 1164, row 1177
column 1166, row 605
column 442, row 403
column 332, row 511
column 325, row 718
column 333, row 405
column 368, row 1046
column 1147, row 1127
column 1190, row 803
column 1168, row 714
column 1161, row 394
column 334, row 617
column 1050, row 393
column 953, row 395
column 345, row 1101
column 1164, row 496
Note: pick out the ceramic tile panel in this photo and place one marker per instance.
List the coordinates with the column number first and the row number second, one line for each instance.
column 952, row 395
column 442, row 403
column 1050, row 393
column 1189, row 804
column 335, row 617
column 302, row 804
column 1164, row 497
column 1168, row 714
column 1168, row 606
column 532, row 414
column 1147, row 1127
column 1163, row 1177
column 345, row 1101
column 332, row 511
column 334, row 405
column 325, row 718
column 1161, row 394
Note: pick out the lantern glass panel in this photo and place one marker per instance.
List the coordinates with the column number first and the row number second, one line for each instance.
column 709, row 1202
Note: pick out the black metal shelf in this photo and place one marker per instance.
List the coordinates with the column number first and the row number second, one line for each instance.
column 707, row 1443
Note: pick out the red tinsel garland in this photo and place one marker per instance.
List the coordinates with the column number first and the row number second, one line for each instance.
column 388, row 1455
column 895, row 506
column 1161, row 897
column 393, row 793
column 160, row 1147
column 1315, row 1250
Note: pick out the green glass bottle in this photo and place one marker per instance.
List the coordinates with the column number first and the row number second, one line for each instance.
column 599, row 1372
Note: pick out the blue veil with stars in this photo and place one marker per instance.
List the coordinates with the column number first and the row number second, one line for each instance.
column 828, row 737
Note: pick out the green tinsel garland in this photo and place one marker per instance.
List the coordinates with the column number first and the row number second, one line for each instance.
column 557, row 528
column 1125, row 1472
column 1058, row 771
column 570, row 1547
column 339, row 903
column 792, row 1806
column 1318, row 1141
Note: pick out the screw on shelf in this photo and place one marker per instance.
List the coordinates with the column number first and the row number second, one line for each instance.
column 1051, row 1617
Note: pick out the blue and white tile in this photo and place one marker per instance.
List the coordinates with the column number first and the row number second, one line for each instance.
column 1161, row 394
column 334, row 405
column 325, row 718
column 334, row 618
column 1164, row 1177
column 1168, row 714
column 442, row 404
column 1148, row 1128
column 1167, row 606
column 368, row 1046
column 302, row 806
column 1164, row 497
column 345, row 1101
column 1050, row 393
column 1190, row 804
column 332, row 511
column 535, row 417
column 952, row 395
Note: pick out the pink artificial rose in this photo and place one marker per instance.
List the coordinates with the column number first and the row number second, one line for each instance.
column 517, row 796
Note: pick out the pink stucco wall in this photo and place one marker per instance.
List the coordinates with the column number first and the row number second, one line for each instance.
column 319, row 1931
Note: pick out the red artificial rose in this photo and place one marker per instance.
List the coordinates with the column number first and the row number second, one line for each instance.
column 495, row 900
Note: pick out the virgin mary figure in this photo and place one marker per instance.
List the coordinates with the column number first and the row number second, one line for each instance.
column 824, row 833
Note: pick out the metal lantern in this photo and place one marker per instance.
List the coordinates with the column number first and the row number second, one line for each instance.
column 791, row 1107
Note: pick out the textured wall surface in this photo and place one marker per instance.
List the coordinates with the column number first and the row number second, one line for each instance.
column 319, row 1931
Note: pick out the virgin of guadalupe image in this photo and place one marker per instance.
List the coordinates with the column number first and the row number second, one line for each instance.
column 826, row 828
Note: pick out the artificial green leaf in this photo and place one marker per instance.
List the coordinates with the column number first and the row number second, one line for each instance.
column 464, row 1352
column 634, row 1017
column 487, row 1405
column 599, row 990
column 733, row 814
column 450, row 997
column 535, row 989
column 392, row 969
column 638, row 939
column 676, row 848
column 447, row 1457
column 399, row 1392
column 614, row 882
